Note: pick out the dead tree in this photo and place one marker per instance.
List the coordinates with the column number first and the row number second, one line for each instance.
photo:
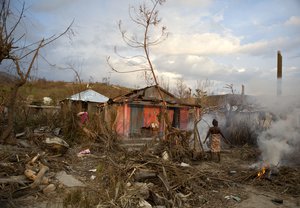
column 14, row 51
column 147, row 18
column 181, row 90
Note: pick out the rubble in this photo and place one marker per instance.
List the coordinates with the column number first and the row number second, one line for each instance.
column 114, row 177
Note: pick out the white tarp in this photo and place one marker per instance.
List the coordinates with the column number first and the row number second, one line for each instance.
column 89, row 96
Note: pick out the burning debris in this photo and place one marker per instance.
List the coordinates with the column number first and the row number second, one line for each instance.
column 262, row 172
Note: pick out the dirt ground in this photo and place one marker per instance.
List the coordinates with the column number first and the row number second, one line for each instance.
column 188, row 183
column 254, row 192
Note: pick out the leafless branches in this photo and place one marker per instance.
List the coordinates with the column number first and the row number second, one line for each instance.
column 146, row 18
column 14, row 50
column 6, row 39
column 230, row 87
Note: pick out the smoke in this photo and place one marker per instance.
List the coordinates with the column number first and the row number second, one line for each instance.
column 280, row 143
column 273, row 122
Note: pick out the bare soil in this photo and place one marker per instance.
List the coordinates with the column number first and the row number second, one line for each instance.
column 204, row 183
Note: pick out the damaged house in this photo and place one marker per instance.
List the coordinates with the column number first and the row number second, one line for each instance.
column 139, row 113
column 87, row 100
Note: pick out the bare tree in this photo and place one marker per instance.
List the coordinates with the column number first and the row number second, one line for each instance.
column 230, row 87
column 203, row 89
column 146, row 18
column 13, row 50
column 182, row 90
column 164, row 82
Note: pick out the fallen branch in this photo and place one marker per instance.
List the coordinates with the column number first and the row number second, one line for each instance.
column 165, row 182
column 34, row 159
column 39, row 176
column 20, row 179
column 142, row 175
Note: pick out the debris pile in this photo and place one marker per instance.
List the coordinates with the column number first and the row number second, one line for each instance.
column 102, row 174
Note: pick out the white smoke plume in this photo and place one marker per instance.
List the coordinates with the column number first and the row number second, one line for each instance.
column 280, row 143
column 274, row 121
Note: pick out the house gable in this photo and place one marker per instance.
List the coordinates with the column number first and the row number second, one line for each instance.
column 150, row 93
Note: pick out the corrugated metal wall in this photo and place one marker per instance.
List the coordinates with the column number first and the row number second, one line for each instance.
column 136, row 120
column 131, row 119
column 122, row 123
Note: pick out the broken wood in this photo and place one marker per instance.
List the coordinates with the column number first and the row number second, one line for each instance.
column 142, row 175
column 31, row 175
column 165, row 182
column 20, row 179
column 197, row 139
column 35, row 158
column 40, row 175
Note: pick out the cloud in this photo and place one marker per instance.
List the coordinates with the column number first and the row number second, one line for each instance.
column 217, row 44
column 50, row 6
column 206, row 37
column 195, row 68
column 200, row 44
column 190, row 3
column 293, row 21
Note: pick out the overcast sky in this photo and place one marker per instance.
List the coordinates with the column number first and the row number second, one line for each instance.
column 224, row 42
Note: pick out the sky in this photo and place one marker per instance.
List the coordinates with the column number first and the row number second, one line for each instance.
column 220, row 42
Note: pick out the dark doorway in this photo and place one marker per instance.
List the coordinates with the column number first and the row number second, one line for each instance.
column 176, row 118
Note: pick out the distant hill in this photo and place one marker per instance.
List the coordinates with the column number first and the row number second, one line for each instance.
column 59, row 90
column 6, row 78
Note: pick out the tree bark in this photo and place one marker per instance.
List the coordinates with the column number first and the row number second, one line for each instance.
column 8, row 134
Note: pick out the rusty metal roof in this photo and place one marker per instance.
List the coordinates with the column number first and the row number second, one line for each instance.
column 150, row 95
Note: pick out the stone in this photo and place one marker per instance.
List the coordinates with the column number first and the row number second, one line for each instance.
column 50, row 188
column 68, row 180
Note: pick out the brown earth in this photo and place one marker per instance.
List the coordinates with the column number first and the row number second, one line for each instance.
column 204, row 183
